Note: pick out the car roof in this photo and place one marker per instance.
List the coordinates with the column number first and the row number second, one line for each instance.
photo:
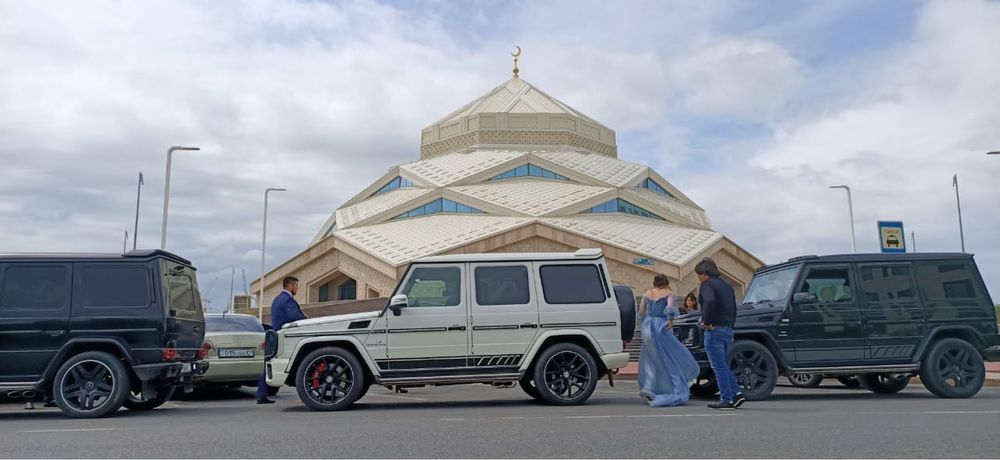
column 230, row 315
column 581, row 254
column 868, row 257
column 140, row 254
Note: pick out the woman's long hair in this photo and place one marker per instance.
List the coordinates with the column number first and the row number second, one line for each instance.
column 694, row 301
column 661, row 281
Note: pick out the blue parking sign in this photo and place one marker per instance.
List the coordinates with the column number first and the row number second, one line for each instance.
column 891, row 236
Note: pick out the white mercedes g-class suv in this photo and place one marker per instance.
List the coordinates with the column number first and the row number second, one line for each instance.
column 552, row 322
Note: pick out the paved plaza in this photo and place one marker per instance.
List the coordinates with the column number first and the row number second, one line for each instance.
column 478, row 421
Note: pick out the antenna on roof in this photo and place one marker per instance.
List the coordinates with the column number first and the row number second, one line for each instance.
column 516, row 54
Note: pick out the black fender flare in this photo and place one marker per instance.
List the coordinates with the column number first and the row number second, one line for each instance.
column 957, row 331
column 765, row 338
column 64, row 351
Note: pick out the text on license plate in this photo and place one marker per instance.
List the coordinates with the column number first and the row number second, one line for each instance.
column 236, row 352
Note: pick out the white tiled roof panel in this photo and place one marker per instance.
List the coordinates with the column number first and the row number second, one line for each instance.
column 350, row 215
column 448, row 169
column 532, row 196
column 685, row 211
column 670, row 243
column 601, row 167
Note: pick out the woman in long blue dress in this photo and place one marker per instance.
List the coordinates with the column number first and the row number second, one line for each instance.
column 666, row 367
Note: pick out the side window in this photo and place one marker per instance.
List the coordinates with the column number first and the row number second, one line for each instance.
column 946, row 280
column 434, row 287
column 38, row 287
column 502, row 285
column 567, row 284
column 828, row 284
column 115, row 286
column 886, row 283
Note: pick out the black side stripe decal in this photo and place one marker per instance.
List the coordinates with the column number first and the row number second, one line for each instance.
column 592, row 324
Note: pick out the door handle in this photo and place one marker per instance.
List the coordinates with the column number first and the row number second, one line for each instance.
column 54, row 333
column 455, row 327
column 529, row 326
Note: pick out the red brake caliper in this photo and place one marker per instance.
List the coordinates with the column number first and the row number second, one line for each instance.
column 314, row 382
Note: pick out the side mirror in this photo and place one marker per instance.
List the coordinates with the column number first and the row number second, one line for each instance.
column 804, row 297
column 397, row 303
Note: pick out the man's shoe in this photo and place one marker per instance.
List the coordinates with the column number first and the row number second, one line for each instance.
column 722, row 405
column 739, row 400
column 265, row 401
column 50, row 404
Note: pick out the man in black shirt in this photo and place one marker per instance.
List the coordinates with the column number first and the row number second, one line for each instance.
column 718, row 314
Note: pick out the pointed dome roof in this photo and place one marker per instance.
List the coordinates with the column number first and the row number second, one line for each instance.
column 516, row 114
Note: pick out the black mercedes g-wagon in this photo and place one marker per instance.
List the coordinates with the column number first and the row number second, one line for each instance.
column 95, row 332
column 873, row 319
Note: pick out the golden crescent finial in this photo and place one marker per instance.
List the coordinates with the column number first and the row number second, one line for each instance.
column 516, row 54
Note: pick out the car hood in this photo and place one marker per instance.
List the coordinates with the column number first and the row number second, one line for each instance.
column 743, row 311
column 330, row 323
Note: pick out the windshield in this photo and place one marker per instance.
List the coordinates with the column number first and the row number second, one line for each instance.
column 232, row 324
column 771, row 286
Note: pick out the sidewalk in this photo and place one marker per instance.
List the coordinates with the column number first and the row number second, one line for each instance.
column 992, row 373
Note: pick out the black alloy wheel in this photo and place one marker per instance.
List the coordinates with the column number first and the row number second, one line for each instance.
column 953, row 368
column 755, row 369
column 884, row 383
column 528, row 386
column 705, row 386
column 135, row 401
column 568, row 374
column 805, row 380
column 90, row 385
column 330, row 379
column 849, row 381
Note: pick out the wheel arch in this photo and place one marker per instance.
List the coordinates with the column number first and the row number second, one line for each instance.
column 575, row 336
column 765, row 339
column 77, row 346
column 966, row 333
column 350, row 344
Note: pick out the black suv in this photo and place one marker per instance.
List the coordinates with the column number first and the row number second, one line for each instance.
column 95, row 332
column 882, row 318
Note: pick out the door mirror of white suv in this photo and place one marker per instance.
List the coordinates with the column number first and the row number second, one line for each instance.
column 397, row 303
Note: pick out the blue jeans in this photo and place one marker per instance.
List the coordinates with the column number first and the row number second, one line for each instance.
column 717, row 344
column 261, row 387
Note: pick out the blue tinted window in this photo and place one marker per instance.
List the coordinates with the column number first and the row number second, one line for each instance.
column 528, row 170
column 393, row 185
column 650, row 184
column 619, row 205
column 438, row 206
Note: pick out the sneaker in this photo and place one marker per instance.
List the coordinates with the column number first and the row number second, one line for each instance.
column 265, row 401
column 739, row 400
column 722, row 405
column 29, row 405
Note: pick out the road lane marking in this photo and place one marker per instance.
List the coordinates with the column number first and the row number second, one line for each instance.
column 961, row 412
column 408, row 398
column 453, row 420
column 647, row 416
column 68, row 430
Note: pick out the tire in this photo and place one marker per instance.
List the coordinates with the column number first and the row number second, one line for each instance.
column 755, row 369
column 330, row 379
column 885, row 384
column 568, row 374
column 529, row 388
column 626, row 309
column 705, row 386
column 91, row 385
column 133, row 401
column 364, row 390
column 953, row 368
column 849, row 381
column 805, row 380
column 271, row 391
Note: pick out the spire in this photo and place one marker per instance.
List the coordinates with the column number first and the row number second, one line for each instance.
column 516, row 54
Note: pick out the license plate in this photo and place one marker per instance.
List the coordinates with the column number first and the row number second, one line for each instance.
column 236, row 352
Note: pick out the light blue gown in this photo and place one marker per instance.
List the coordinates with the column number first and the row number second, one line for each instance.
column 666, row 367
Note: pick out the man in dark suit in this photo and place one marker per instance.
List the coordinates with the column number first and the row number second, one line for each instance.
column 284, row 310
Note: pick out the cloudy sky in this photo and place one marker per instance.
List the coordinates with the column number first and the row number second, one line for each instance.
column 751, row 108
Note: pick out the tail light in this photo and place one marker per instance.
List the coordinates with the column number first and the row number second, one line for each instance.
column 262, row 345
column 203, row 351
column 169, row 354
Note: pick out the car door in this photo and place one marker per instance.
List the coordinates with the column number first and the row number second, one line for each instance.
column 431, row 334
column 894, row 320
column 827, row 329
column 504, row 314
column 34, row 317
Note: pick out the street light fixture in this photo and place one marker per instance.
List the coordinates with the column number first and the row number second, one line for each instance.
column 166, row 193
column 850, row 210
column 996, row 152
column 263, row 252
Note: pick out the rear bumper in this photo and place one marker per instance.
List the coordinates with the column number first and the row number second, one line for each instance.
column 615, row 360
column 992, row 353
column 173, row 372
column 227, row 370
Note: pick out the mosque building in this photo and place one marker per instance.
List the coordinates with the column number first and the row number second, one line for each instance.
column 515, row 170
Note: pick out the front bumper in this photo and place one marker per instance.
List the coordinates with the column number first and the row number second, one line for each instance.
column 276, row 371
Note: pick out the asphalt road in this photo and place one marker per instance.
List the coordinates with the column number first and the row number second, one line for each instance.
column 479, row 421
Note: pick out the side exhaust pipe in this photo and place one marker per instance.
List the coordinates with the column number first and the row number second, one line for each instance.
column 28, row 394
column 14, row 394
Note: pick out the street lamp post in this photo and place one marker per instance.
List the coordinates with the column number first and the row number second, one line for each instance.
column 958, row 203
column 850, row 210
column 166, row 193
column 996, row 152
column 263, row 252
column 135, row 230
